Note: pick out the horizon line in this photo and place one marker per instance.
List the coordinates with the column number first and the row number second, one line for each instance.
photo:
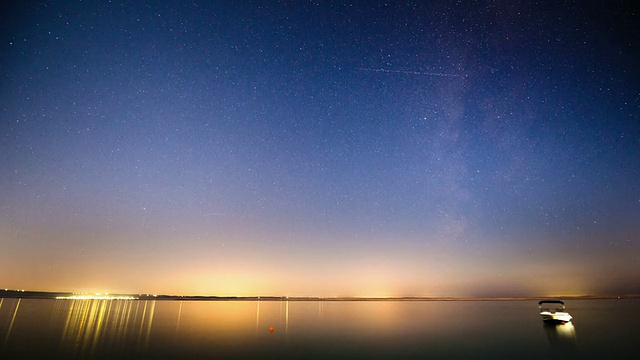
column 146, row 296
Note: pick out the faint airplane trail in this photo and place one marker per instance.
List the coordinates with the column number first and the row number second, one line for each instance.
column 409, row 72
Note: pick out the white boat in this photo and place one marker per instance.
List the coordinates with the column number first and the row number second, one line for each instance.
column 554, row 311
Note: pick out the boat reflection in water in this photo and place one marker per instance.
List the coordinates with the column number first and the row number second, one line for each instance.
column 562, row 338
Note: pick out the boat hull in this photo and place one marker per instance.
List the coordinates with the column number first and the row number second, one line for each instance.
column 556, row 317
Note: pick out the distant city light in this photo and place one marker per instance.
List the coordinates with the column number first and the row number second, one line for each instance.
column 96, row 297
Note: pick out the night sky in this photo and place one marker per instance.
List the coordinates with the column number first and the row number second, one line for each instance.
column 472, row 148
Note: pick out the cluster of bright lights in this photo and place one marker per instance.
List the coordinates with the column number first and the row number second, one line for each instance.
column 96, row 297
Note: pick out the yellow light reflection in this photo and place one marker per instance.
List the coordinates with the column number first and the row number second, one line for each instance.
column 179, row 317
column 562, row 337
column 149, row 322
column 287, row 319
column 258, row 317
column 13, row 319
column 92, row 325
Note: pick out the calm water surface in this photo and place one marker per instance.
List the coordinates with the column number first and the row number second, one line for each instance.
column 103, row 329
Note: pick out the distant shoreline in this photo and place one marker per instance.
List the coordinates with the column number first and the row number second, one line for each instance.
column 57, row 295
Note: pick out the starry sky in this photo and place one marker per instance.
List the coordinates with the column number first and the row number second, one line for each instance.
column 320, row 148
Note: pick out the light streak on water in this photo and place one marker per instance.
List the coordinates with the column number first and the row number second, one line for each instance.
column 95, row 324
column 13, row 319
column 179, row 317
column 286, row 329
column 258, row 317
column 149, row 323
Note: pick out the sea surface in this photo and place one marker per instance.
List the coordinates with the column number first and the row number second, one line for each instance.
column 163, row 329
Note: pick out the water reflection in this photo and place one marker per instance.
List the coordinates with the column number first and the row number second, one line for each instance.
column 179, row 317
column 137, row 329
column 286, row 331
column 90, row 325
column 11, row 322
column 562, row 339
